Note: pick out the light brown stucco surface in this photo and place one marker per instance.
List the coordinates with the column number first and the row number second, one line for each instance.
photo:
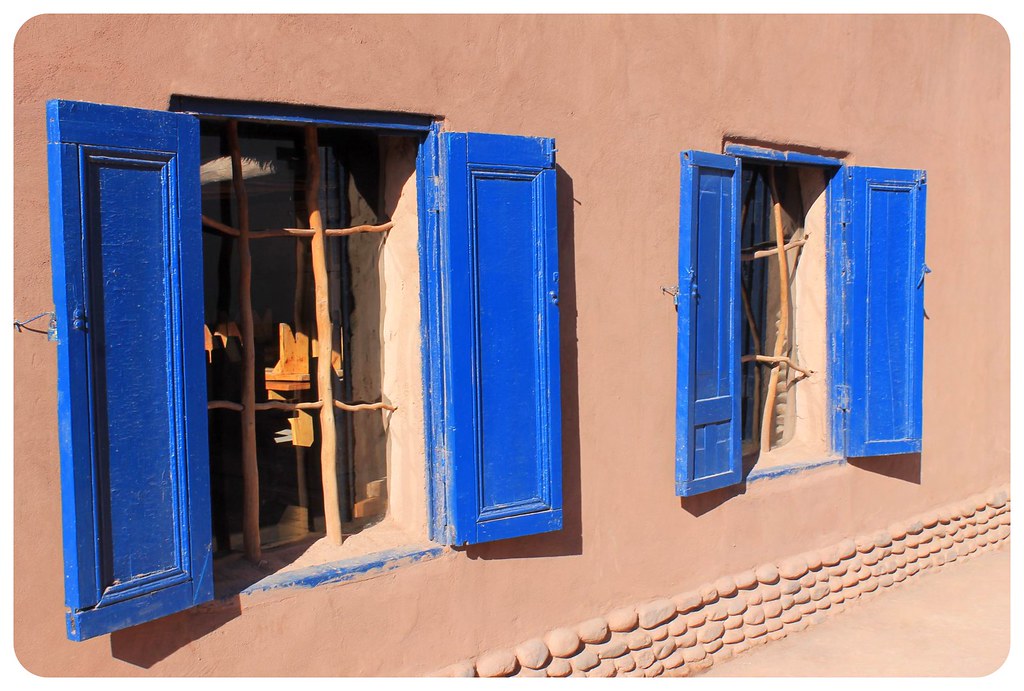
column 621, row 96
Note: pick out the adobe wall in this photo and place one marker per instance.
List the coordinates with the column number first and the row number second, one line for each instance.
column 621, row 96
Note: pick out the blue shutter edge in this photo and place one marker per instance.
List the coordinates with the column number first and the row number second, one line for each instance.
column 689, row 481
column 77, row 133
column 836, row 262
column 482, row 504
column 873, row 409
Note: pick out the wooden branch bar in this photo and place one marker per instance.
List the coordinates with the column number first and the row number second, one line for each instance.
column 335, row 232
column 749, row 314
column 250, row 469
column 226, row 405
column 781, row 339
column 783, row 325
column 355, row 407
column 756, row 412
column 308, row 405
column 284, row 233
column 749, row 256
column 221, row 227
column 308, row 232
column 768, row 359
column 303, row 422
column 747, row 311
column 285, row 405
column 324, row 371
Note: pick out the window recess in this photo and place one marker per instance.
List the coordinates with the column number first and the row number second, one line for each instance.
column 291, row 208
column 190, row 255
column 782, row 285
column 800, row 312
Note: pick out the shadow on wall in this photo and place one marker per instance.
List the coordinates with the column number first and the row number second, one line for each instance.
column 146, row 644
column 700, row 504
column 568, row 540
column 904, row 466
column 841, row 154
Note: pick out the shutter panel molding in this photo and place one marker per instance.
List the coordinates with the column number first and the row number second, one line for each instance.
column 885, row 310
column 128, row 295
column 502, row 401
column 708, row 444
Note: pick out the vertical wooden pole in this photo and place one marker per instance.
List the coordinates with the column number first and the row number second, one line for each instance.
column 755, row 412
column 324, row 371
column 250, row 469
column 298, row 318
column 768, row 421
column 339, row 307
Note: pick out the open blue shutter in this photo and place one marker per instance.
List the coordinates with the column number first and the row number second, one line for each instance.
column 131, row 392
column 885, row 310
column 708, row 445
column 502, row 415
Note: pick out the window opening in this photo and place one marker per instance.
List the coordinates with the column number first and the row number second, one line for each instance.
column 293, row 224
column 783, row 323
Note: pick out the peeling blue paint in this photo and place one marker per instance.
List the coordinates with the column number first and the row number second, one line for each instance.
column 345, row 570
column 885, row 310
column 792, row 469
column 301, row 114
column 708, row 447
column 784, row 157
column 499, row 359
column 135, row 481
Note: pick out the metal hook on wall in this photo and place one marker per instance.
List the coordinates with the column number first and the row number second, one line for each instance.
column 51, row 330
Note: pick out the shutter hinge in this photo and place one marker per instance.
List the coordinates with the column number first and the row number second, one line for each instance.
column 435, row 202
column 79, row 321
column 922, row 177
column 845, row 211
column 549, row 150
column 843, row 398
column 691, row 278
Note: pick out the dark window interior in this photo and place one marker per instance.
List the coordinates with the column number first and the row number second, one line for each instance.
column 288, row 442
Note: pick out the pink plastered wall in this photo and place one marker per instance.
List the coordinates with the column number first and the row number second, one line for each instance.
column 621, row 96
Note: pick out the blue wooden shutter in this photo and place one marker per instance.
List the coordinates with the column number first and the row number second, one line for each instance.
column 127, row 285
column 708, row 445
column 502, row 413
column 885, row 310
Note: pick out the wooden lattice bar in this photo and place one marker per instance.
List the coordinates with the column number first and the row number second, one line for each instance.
column 324, row 331
column 326, row 404
column 221, row 227
column 751, row 255
column 306, row 405
column 748, row 312
column 782, row 338
column 355, row 407
column 769, row 360
column 250, row 469
column 298, row 232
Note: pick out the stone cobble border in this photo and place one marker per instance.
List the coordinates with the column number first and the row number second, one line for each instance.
column 687, row 633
